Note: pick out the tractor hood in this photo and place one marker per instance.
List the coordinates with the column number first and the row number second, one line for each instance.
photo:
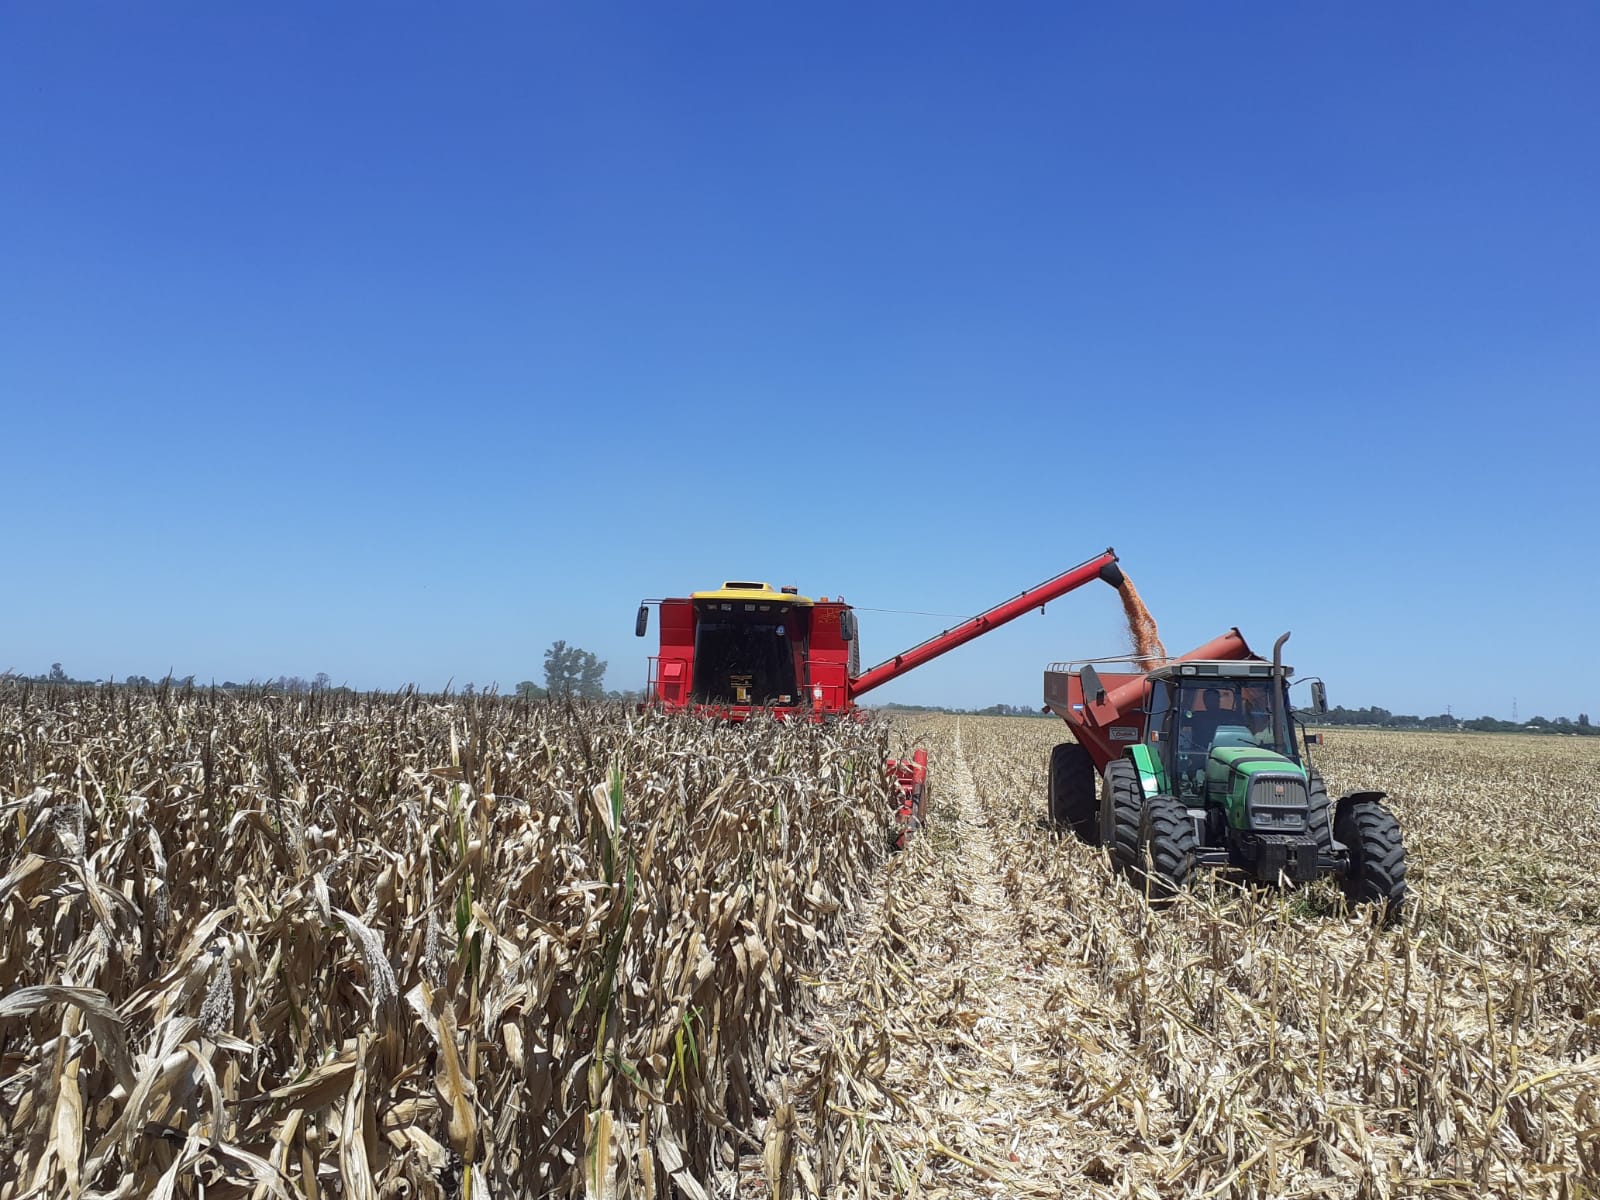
column 1261, row 789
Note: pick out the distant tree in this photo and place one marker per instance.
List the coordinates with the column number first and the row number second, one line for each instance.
column 529, row 690
column 322, row 682
column 1491, row 725
column 1008, row 710
column 57, row 675
column 571, row 671
column 1583, row 720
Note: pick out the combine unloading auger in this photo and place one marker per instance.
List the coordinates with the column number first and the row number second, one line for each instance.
column 747, row 648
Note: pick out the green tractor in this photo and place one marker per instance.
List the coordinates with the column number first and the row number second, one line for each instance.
column 1200, row 766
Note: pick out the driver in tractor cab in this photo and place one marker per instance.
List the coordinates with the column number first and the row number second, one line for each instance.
column 1200, row 724
column 1258, row 717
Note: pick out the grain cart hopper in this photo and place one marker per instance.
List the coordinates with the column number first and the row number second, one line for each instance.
column 1199, row 766
column 747, row 648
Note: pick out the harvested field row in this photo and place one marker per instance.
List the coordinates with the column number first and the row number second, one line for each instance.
column 1248, row 1043
column 313, row 946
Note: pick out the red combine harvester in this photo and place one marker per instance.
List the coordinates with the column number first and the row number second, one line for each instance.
column 747, row 649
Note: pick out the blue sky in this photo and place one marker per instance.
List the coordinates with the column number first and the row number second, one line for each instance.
column 397, row 345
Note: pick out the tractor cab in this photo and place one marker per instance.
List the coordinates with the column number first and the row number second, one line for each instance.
column 1203, row 717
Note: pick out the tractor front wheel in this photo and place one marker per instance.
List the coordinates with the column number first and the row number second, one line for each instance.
column 1168, row 836
column 1072, row 798
column 1122, row 815
column 1320, row 815
column 1377, row 873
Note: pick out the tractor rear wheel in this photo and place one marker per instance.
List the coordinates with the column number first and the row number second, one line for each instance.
column 1168, row 836
column 1122, row 815
column 1072, row 799
column 1377, row 873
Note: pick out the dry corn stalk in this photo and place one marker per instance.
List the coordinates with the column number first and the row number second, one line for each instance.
column 370, row 947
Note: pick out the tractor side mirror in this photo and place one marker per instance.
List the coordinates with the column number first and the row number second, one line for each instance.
column 642, row 621
column 847, row 625
column 1313, row 739
column 1319, row 698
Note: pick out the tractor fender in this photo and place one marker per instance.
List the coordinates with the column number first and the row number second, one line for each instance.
column 1350, row 798
column 1151, row 776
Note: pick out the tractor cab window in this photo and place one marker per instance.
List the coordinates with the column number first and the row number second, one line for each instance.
column 745, row 658
column 1158, row 715
column 1227, row 712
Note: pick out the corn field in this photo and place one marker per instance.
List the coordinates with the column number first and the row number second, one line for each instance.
column 327, row 946
column 404, row 947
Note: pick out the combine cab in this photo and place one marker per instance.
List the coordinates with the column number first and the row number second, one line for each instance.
column 748, row 649
column 1199, row 766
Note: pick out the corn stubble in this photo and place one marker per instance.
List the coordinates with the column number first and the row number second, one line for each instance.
column 1071, row 1039
column 407, row 947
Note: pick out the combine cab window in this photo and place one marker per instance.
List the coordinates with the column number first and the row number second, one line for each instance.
column 745, row 659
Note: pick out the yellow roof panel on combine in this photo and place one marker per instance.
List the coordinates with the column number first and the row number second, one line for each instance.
column 751, row 593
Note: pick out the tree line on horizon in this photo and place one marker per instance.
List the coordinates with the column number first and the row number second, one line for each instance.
column 1384, row 719
column 569, row 671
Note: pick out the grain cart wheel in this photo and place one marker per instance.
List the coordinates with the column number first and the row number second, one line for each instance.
column 1320, row 815
column 1122, row 815
column 1072, row 799
column 1168, row 836
column 1377, row 872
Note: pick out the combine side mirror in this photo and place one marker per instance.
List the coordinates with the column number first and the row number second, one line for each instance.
column 1319, row 698
column 847, row 625
column 642, row 621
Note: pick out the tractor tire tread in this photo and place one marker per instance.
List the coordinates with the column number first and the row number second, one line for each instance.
column 1320, row 814
column 1168, row 837
column 1377, row 857
column 1073, row 802
column 1122, row 815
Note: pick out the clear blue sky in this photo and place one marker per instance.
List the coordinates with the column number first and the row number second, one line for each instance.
column 369, row 340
